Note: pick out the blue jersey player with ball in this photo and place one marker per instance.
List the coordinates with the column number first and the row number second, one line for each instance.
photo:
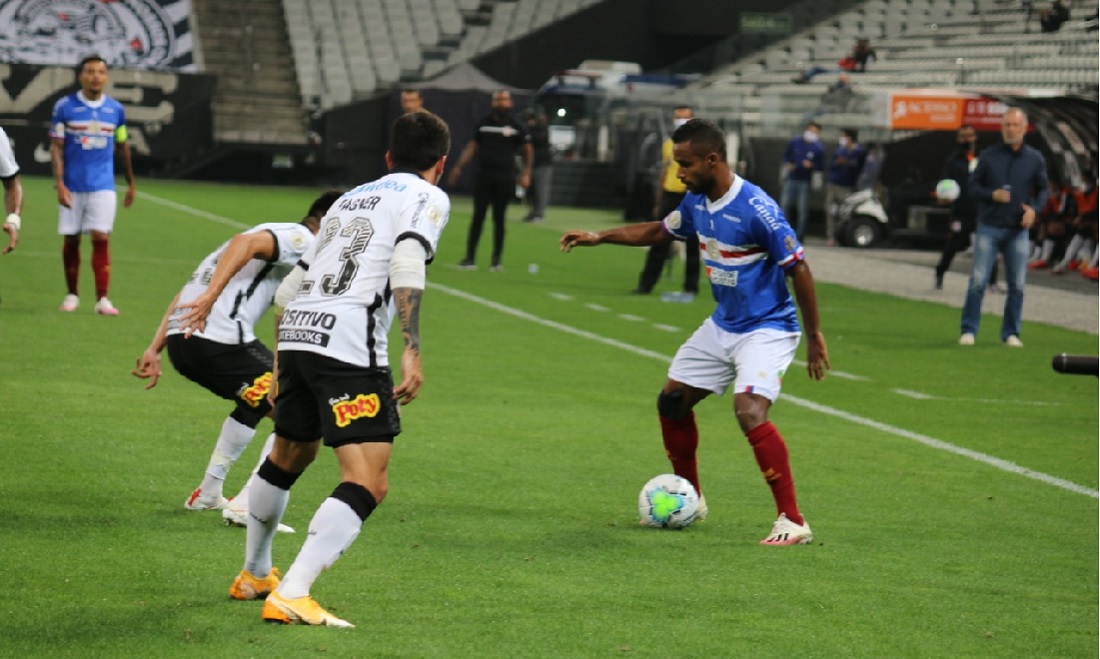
column 749, row 341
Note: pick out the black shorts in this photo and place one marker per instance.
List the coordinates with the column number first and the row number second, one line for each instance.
column 336, row 401
column 240, row 373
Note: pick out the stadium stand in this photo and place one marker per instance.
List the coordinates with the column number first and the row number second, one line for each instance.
column 959, row 44
column 348, row 49
column 257, row 99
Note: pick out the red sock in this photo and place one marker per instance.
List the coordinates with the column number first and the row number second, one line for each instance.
column 70, row 258
column 681, row 439
column 771, row 454
column 101, row 267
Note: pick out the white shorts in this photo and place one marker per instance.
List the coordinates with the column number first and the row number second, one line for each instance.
column 754, row 362
column 91, row 211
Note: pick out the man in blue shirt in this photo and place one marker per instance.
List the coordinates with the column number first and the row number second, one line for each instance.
column 844, row 169
column 86, row 129
column 751, row 338
column 803, row 157
column 1009, row 184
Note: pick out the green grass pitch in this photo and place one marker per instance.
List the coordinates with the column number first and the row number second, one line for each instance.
column 953, row 493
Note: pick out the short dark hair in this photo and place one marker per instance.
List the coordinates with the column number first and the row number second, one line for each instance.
column 850, row 132
column 90, row 58
column 702, row 133
column 814, row 124
column 418, row 140
column 321, row 204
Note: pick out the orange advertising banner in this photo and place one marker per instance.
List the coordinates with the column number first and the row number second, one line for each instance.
column 925, row 112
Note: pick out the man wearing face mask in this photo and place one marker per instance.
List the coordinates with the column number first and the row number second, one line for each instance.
column 963, row 210
column 1009, row 183
column 844, row 169
column 803, row 157
column 497, row 139
column 670, row 192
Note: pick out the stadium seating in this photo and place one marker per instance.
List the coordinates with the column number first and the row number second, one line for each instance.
column 919, row 43
column 348, row 49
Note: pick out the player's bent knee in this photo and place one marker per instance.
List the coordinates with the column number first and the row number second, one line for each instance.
column 358, row 498
column 671, row 404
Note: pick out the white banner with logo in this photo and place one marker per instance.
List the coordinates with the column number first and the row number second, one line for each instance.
column 130, row 34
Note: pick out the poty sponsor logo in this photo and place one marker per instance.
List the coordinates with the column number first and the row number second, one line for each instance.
column 359, row 407
column 257, row 391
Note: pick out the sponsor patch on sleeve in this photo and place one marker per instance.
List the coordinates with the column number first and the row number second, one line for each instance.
column 673, row 220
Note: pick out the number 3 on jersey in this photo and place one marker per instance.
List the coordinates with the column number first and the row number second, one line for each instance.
column 358, row 232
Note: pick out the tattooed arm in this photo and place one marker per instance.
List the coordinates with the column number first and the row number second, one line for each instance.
column 407, row 301
column 407, row 280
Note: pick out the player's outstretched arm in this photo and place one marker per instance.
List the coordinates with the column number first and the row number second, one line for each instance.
column 148, row 364
column 817, row 354
column 640, row 235
column 241, row 249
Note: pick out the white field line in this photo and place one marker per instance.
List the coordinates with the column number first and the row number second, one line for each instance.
column 192, row 210
column 919, row 395
column 996, row 463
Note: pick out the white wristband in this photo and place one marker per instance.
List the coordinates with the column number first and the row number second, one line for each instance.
column 14, row 220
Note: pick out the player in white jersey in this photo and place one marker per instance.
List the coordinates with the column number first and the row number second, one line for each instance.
column 334, row 380
column 13, row 192
column 750, row 339
column 222, row 301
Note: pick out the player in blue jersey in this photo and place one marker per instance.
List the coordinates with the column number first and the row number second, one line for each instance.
column 86, row 129
column 751, row 338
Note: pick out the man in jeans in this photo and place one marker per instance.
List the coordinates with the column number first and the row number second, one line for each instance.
column 1009, row 183
column 844, row 169
column 803, row 157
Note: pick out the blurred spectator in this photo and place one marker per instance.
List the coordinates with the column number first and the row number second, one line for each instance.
column 837, row 98
column 872, row 165
column 670, row 192
column 1009, row 184
column 957, row 167
column 844, row 169
column 1052, row 18
column 498, row 138
column 542, row 169
column 855, row 62
column 1053, row 224
column 1091, row 23
column 1083, row 244
column 411, row 101
column 803, row 158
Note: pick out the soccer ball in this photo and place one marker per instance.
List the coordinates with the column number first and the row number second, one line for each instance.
column 668, row 502
column 947, row 190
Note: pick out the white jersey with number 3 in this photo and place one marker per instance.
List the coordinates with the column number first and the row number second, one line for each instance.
column 343, row 308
